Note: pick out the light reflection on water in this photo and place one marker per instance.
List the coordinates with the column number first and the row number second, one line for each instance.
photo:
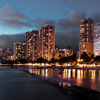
column 80, row 77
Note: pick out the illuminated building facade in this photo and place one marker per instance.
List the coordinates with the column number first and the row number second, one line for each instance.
column 47, row 41
column 10, row 58
column 97, row 40
column 58, row 53
column 32, row 45
column 4, row 53
column 86, row 36
column 19, row 51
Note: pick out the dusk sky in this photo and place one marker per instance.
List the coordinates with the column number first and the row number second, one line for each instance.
column 20, row 16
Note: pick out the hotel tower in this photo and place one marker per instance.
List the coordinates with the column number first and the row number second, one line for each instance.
column 19, row 51
column 32, row 45
column 47, row 41
column 86, row 36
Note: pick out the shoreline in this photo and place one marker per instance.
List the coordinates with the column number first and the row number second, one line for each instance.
column 53, row 67
column 68, row 67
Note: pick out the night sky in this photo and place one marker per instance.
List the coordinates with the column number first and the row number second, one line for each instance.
column 20, row 16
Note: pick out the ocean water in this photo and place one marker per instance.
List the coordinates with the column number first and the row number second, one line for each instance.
column 80, row 77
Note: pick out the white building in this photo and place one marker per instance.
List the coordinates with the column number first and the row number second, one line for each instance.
column 97, row 39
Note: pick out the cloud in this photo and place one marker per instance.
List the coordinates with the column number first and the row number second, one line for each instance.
column 11, row 17
column 8, row 40
column 81, row 2
column 96, row 18
column 72, row 20
column 42, row 22
column 68, row 38
column 15, row 23
column 68, row 30
column 9, row 12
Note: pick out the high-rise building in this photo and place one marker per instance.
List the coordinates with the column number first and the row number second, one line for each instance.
column 86, row 36
column 97, row 39
column 32, row 45
column 4, row 53
column 47, row 41
column 19, row 51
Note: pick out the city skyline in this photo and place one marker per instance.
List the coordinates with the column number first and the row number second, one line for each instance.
column 85, row 27
column 63, row 14
column 50, row 49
